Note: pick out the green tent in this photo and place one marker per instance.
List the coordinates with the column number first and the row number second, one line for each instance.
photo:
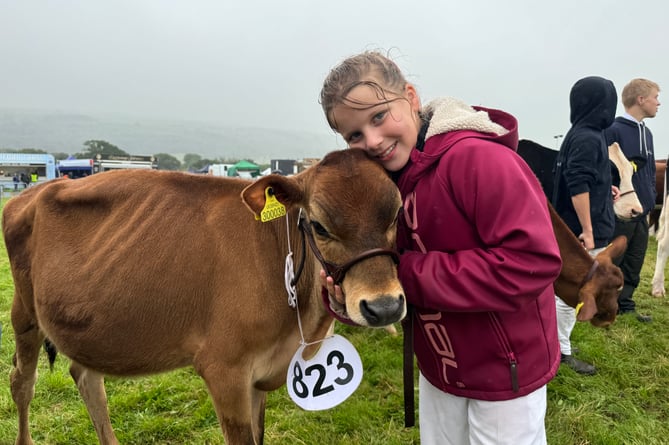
column 244, row 168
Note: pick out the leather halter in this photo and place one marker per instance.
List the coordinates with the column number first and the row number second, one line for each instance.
column 590, row 273
column 337, row 272
column 626, row 193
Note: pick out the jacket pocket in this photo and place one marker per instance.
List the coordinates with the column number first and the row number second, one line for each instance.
column 508, row 351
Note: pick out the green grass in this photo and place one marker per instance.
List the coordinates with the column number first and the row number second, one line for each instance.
column 625, row 403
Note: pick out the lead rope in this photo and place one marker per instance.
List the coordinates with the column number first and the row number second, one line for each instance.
column 289, row 280
column 407, row 359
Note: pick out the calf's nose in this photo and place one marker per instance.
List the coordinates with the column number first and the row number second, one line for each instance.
column 382, row 311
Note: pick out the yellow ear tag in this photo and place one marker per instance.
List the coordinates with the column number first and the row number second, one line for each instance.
column 273, row 208
column 633, row 166
column 578, row 307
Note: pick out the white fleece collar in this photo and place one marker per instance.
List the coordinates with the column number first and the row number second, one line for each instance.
column 450, row 114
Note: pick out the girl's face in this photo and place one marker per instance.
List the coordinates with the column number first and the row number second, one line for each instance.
column 386, row 130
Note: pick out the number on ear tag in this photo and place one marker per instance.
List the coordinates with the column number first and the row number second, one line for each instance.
column 273, row 208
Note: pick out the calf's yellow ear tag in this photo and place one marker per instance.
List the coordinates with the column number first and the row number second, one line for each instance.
column 273, row 208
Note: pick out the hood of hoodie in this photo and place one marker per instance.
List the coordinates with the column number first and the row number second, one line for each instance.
column 593, row 102
column 451, row 120
column 449, row 114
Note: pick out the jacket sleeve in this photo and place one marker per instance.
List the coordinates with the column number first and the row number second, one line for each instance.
column 516, row 256
column 580, row 169
column 611, row 135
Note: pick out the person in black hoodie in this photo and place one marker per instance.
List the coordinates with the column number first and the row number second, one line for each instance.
column 640, row 99
column 582, row 192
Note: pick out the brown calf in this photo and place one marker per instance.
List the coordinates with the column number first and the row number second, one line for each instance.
column 590, row 284
column 135, row 272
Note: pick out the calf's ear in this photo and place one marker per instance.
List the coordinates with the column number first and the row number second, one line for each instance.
column 285, row 189
column 587, row 308
column 615, row 249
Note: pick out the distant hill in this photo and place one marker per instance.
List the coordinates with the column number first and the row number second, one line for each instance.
column 67, row 132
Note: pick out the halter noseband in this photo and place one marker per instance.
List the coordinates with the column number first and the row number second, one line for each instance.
column 337, row 272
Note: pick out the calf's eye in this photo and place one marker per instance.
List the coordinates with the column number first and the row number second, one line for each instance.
column 319, row 229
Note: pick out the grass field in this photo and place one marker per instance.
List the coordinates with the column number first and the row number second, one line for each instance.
column 626, row 403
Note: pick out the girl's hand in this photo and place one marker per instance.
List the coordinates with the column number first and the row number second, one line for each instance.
column 616, row 193
column 333, row 290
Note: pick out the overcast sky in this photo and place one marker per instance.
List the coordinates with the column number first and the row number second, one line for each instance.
column 261, row 63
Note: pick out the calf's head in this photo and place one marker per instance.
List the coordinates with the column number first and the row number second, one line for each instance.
column 599, row 294
column 628, row 205
column 350, row 207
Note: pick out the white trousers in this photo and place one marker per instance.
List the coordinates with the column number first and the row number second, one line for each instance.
column 566, row 320
column 445, row 419
column 566, row 317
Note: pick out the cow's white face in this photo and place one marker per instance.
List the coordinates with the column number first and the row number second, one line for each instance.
column 627, row 206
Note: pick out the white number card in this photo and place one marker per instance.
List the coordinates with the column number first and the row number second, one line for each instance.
column 328, row 378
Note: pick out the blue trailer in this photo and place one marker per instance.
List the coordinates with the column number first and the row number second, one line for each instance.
column 36, row 167
column 75, row 168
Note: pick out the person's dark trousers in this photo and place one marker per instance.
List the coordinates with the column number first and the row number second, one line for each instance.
column 631, row 262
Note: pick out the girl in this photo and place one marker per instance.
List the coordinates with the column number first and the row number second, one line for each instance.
column 478, row 253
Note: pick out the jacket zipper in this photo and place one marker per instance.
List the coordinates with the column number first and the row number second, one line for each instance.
column 513, row 364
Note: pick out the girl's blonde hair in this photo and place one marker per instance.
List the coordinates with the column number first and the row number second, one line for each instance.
column 370, row 68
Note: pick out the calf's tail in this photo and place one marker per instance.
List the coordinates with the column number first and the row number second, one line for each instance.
column 51, row 352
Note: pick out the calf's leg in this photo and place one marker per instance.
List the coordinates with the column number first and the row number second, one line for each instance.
column 660, row 262
column 91, row 386
column 234, row 404
column 657, row 285
column 23, row 376
column 259, row 399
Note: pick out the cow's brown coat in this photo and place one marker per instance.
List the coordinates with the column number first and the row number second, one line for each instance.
column 597, row 290
column 136, row 272
column 599, row 293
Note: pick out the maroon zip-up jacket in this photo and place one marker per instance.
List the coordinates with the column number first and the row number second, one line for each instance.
column 478, row 263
